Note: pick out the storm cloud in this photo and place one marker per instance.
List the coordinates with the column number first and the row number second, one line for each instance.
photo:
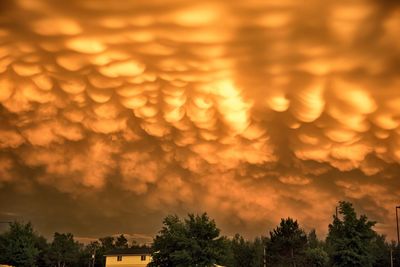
column 114, row 114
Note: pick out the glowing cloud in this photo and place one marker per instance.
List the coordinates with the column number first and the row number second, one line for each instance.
column 250, row 110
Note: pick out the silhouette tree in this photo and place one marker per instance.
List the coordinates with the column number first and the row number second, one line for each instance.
column 18, row 245
column 64, row 250
column 287, row 244
column 121, row 242
column 107, row 242
column 350, row 239
column 247, row 253
column 192, row 242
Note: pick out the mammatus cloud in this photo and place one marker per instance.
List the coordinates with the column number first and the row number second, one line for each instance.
column 251, row 110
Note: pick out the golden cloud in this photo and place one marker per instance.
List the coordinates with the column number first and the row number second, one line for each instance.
column 247, row 108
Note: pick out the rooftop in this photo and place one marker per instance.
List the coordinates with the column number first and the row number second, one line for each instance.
column 129, row 251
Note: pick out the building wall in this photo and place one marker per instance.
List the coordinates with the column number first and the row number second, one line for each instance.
column 127, row 261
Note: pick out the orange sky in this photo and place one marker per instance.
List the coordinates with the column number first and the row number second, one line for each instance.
column 114, row 114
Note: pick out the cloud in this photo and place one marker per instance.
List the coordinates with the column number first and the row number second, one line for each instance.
column 251, row 111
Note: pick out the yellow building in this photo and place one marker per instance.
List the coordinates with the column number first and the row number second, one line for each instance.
column 130, row 257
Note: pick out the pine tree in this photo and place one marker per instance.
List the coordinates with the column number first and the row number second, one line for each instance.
column 350, row 238
column 287, row 244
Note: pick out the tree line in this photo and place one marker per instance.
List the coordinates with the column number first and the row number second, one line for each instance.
column 22, row 246
column 196, row 241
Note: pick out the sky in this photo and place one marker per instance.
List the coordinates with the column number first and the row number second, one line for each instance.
column 114, row 114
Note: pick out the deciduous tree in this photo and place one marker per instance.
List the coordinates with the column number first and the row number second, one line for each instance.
column 121, row 242
column 192, row 242
column 18, row 246
column 64, row 250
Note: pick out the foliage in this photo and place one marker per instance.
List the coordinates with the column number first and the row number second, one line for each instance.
column 315, row 254
column 121, row 242
column 395, row 253
column 97, row 249
column 43, row 247
column 196, row 241
column 350, row 239
column 192, row 242
column 316, row 257
column 107, row 242
column 380, row 251
column 312, row 239
column 64, row 250
column 19, row 245
column 287, row 244
column 259, row 250
column 247, row 253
